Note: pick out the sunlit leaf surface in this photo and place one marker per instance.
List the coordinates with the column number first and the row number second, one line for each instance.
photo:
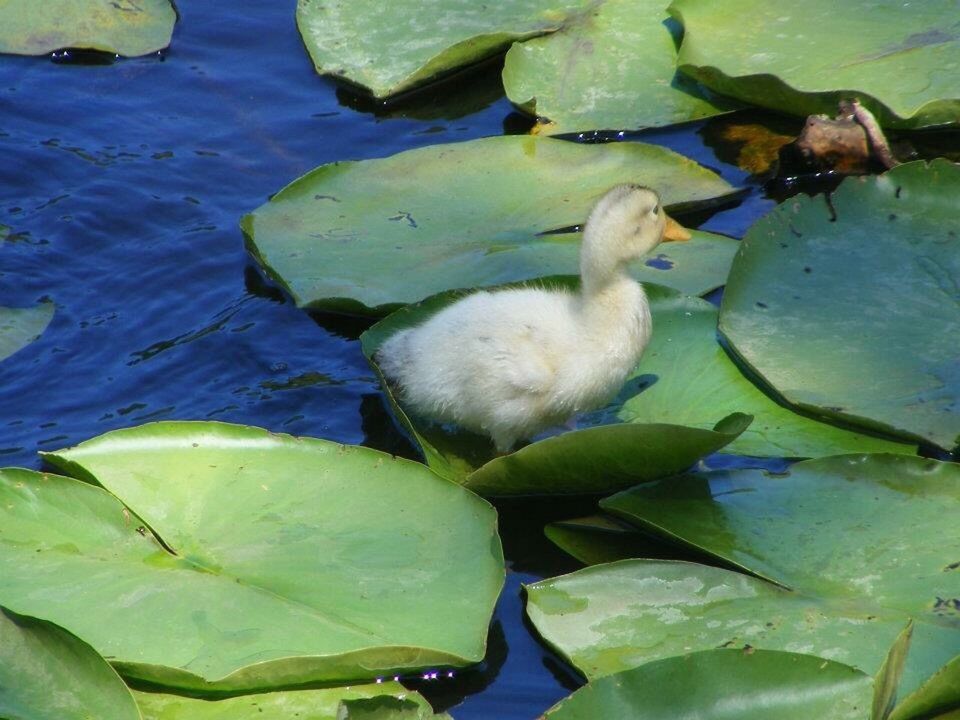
column 48, row 674
column 611, row 68
column 850, row 309
column 369, row 236
column 899, row 58
column 124, row 27
column 833, row 530
column 722, row 684
column 273, row 560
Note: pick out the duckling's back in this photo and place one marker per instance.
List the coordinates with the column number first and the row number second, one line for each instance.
column 487, row 363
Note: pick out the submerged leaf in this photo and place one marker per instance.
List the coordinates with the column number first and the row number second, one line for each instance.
column 21, row 326
column 124, row 27
column 273, row 560
column 372, row 235
column 865, row 287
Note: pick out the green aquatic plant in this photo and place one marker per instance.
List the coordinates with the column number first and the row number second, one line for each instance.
column 123, row 27
column 369, row 236
column 831, row 572
column 274, row 560
column 848, row 309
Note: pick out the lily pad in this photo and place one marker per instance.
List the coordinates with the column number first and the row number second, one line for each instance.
column 21, row 326
column 598, row 539
column 686, row 378
column 273, row 560
column 592, row 460
column 322, row 704
column 372, row 235
column 721, row 684
column 46, row 673
column 899, row 59
column 612, row 68
column 821, row 297
column 856, row 579
column 602, row 459
column 123, row 27
column 388, row 48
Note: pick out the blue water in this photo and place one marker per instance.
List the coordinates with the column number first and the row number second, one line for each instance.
column 122, row 185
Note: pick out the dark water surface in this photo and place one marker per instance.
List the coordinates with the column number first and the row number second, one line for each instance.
column 122, row 185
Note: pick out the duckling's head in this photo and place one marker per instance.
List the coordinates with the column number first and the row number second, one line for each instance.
column 626, row 223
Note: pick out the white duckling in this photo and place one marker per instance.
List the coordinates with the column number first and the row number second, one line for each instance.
column 511, row 363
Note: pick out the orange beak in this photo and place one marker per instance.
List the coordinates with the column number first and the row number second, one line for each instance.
column 675, row 231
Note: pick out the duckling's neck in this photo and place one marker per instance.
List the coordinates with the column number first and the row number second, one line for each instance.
column 614, row 304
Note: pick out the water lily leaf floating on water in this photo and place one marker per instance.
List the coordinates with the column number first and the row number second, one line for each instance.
column 686, row 378
column 900, row 59
column 722, row 684
column 46, row 673
column 591, row 460
column 391, row 48
column 851, row 311
column 372, row 235
column 855, row 578
column 324, row 704
column 21, row 326
column 223, row 557
column 611, row 68
column 124, row 27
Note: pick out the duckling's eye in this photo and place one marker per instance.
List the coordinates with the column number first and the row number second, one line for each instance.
column 656, row 210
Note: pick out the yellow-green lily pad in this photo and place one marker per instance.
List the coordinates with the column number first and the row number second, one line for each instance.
column 123, row 27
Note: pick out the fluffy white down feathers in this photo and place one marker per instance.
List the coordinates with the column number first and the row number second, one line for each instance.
column 511, row 363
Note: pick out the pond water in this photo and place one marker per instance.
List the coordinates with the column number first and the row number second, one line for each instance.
column 122, row 185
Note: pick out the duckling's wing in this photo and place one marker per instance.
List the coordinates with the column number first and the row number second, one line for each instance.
column 525, row 368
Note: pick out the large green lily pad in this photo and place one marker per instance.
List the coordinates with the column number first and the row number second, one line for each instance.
column 124, row 27
column 322, row 704
column 900, row 59
column 273, row 560
column 686, row 378
column 723, row 684
column 852, row 312
column 612, row 68
column 372, row 235
column 830, row 529
column 46, row 673
column 390, row 48
column 21, row 326
column 591, row 460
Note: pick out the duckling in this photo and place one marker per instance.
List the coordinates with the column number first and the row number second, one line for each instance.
column 511, row 363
